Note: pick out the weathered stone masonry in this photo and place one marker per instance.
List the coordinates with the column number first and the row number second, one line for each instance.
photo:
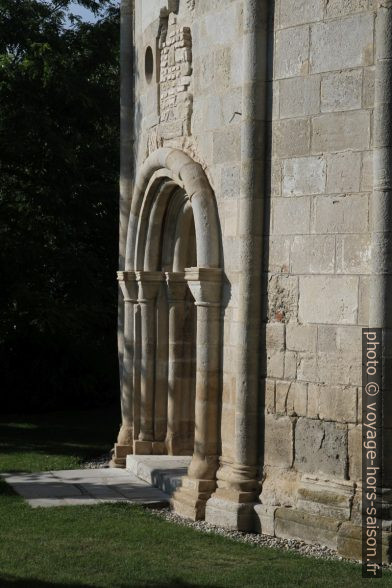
column 253, row 243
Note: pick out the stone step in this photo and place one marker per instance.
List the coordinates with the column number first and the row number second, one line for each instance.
column 161, row 471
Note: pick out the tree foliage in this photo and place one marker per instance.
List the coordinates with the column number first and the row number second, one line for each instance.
column 59, row 86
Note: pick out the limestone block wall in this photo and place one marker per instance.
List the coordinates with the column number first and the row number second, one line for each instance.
column 317, row 246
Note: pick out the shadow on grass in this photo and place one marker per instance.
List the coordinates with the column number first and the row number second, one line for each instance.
column 6, row 490
column 82, row 435
column 30, row 583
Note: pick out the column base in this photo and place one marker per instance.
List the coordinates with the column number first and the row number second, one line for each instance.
column 232, row 509
column 142, row 447
column 233, row 503
column 235, row 516
column 149, row 447
column 159, row 448
column 189, row 501
column 119, row 456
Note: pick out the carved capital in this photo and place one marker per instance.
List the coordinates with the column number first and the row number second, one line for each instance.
column 205, row 285
column 176, row 286
column 149, row 284
column 128, row 285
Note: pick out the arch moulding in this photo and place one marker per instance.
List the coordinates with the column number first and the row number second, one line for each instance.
column 184, row 171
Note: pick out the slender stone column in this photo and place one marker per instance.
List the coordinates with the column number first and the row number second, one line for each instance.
column 149, row 283
column 189, row 377
column 136, row 371
column 176, row 287
column 124, row 445
column 161, row 369
column 190, row 499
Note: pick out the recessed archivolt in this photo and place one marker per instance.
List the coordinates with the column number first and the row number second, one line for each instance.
column 184, row 244
column 154, row 210
column 163, row 171
column 172, row 218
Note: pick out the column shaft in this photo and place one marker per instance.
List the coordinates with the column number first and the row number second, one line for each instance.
column 205, row 457
column 161, row 369
column 176, row 295
column 148, row 288
column 136, row 371
column 127, row 379
column 147, row 309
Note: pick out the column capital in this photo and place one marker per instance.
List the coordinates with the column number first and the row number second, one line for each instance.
column 128, row 285
column 205, row 284
column 126, row 276
column 149, row 283
column 176, row 286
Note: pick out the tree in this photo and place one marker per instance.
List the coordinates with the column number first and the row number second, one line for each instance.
column 59, row 127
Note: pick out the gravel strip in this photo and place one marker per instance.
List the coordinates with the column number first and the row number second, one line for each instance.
column 318, row 551
column 98, row 462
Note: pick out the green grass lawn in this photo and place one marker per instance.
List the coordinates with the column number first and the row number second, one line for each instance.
column 117, row 545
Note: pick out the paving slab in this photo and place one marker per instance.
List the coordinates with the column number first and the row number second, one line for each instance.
column 90, row 486
column 162, row 471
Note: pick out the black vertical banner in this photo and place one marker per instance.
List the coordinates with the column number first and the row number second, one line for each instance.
column 372, row 419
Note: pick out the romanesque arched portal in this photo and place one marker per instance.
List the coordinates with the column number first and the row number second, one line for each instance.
column 172, row 290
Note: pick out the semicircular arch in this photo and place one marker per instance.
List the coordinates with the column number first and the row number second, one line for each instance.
column 173, row 165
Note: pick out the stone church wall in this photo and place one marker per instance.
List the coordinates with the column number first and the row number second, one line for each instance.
column 319, row 92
